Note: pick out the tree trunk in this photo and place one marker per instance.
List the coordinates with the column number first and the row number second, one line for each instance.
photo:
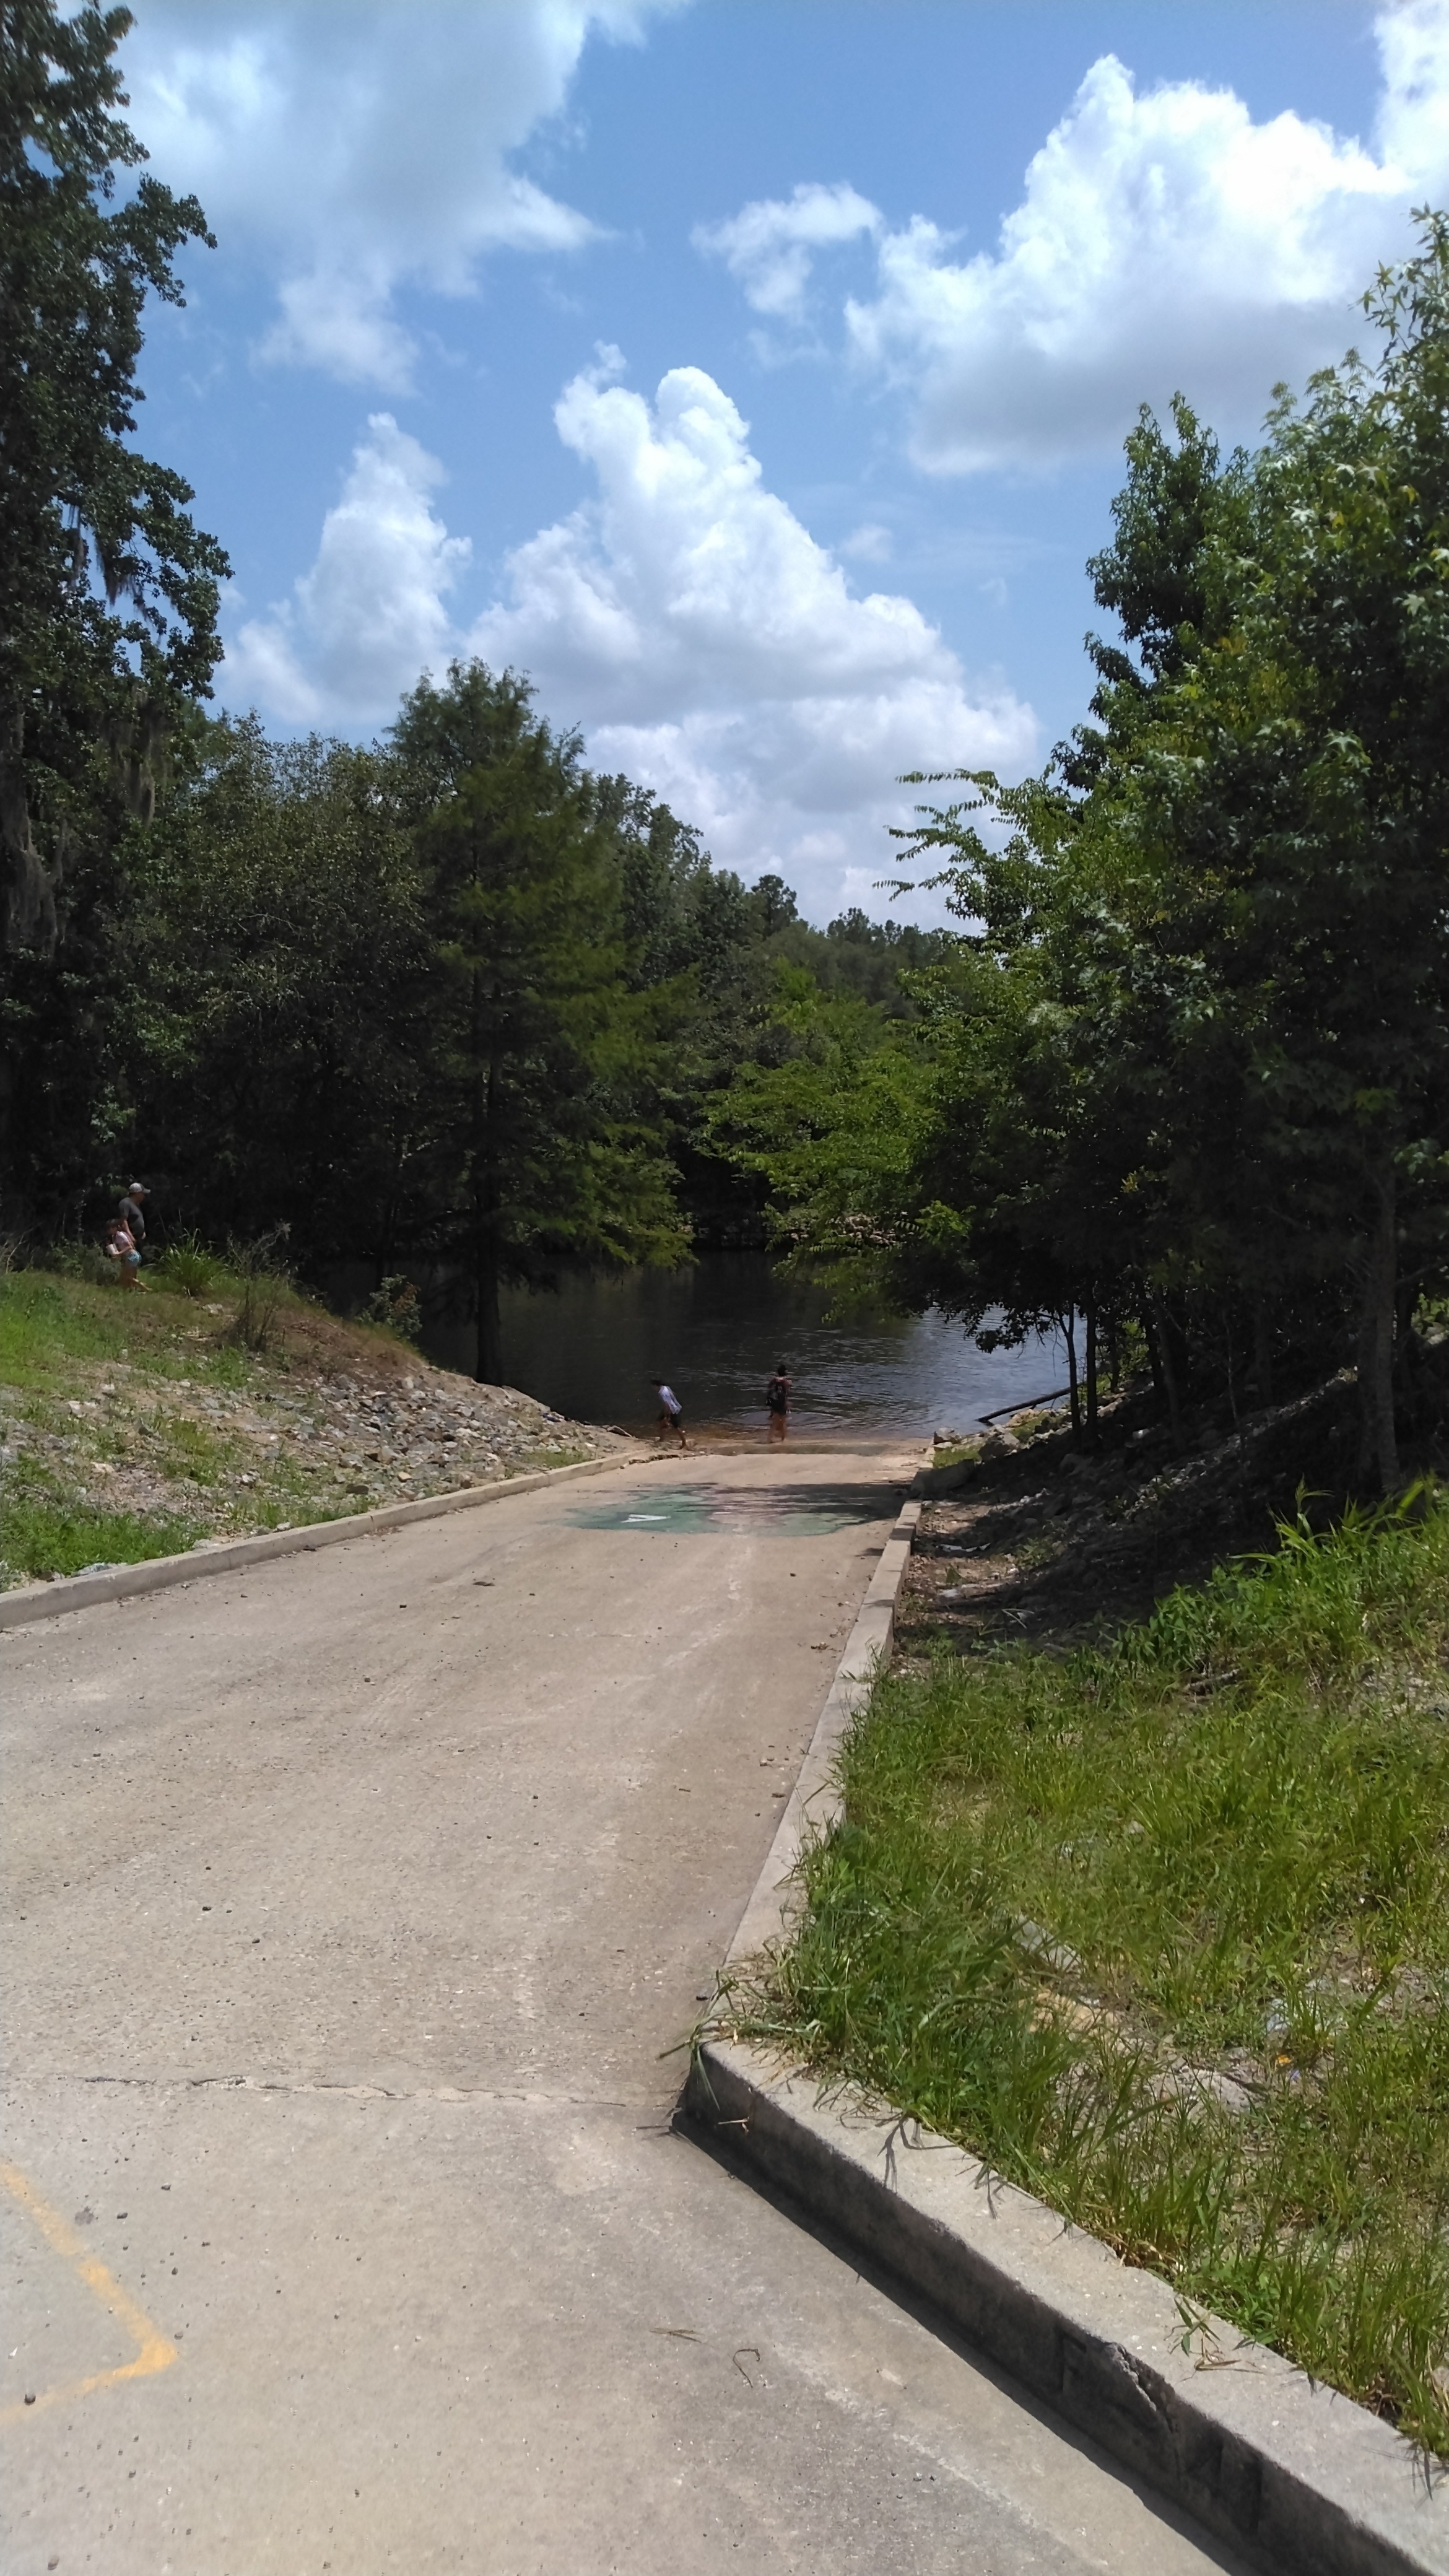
column 1262, row 1352
column 1069, row 1329
column 1379, row 1441
column 1154, row 1356
column 1170, row 1387
column 28, row 918
column 488, row 1365
column 488, row 1368
column 1179, row 1349
column 1231, row 1364
column 1091, row 1372
column 1114, row 1352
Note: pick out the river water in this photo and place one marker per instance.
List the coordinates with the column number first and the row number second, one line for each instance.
column 715, row 1332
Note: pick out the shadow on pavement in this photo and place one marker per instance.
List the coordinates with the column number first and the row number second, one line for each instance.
column 902, row 2294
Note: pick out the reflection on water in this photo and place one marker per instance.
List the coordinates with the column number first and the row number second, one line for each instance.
column 716, row 1331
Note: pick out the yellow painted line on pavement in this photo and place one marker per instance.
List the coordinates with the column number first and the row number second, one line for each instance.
column 154, row 2350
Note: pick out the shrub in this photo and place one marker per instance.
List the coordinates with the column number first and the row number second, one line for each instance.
column 187, row 1264
column 265, row 1285
column 396, row 1305
column 77, row 1259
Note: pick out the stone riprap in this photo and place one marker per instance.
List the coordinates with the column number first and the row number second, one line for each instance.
column 280, row 1448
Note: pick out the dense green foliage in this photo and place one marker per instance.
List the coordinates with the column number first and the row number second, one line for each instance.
column 108, row 593
column 1188, row 1067
column 1162, row 1932
column 449, row 1005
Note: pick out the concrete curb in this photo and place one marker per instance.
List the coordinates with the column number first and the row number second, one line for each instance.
column 157, row 1573
column 1298, row 2479
column 814, row 1803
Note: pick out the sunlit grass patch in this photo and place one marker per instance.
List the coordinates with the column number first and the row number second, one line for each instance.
column 227, row 1367
column 190, row 1267
column 1162, row 1933
column 46, row 1323
column 53, row 1323
column 181, row 1447
column 47, row 1533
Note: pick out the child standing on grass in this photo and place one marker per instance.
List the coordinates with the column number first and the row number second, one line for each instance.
column 121, row 1248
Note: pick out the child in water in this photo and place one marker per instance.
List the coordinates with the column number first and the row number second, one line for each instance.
column 671, row 1412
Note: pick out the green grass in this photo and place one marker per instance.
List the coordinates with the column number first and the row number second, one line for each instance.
column 1066, row 1890
column 188, row 1266
column 180, row 1447
column 44, row 1533
column 94, row 1378
column 45, row 1323
column 49, row 1321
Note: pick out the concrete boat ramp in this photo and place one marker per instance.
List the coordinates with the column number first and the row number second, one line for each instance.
column 355, row 1902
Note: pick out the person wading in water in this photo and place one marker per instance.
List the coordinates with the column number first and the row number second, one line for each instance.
column 671, row 1411
column 777, row 1398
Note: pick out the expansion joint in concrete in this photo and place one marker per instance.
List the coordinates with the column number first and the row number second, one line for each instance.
column 482, row 2093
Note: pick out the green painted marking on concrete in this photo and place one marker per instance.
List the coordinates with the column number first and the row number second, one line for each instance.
column 705, row 1511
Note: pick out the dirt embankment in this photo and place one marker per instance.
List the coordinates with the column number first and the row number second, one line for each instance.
column 130, row 1423
column 1061, row 1544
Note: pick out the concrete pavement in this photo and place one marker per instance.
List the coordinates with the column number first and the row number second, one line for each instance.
column 353, row 1899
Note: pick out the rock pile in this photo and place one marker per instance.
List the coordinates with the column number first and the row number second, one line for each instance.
column 212, row 1457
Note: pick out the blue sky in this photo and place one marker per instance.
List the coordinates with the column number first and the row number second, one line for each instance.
column 753, row 373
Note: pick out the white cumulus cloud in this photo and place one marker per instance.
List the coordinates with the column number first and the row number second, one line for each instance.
column 770, row 246
column 869, row 543
column 357, row 150
column 1413, row 118
column 1164, row 240
column 713, row 650
column 683, row 617
column 371, row 614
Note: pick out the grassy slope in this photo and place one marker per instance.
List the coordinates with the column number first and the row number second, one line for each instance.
column 1162, row 1932
column 135, row 1424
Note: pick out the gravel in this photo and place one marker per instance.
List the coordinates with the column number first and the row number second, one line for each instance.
column 284, row 1448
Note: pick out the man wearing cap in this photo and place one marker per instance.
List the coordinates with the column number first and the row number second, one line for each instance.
column 131, row 1216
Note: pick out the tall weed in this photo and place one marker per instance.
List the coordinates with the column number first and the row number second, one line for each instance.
column 1162, row 1932
column 189, row 1265
column 264, row 1288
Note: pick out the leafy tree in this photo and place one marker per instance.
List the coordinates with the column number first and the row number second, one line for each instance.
column 821, row 1123
column 1292, row 811
column 108, row 593
column 1191, row 1055
column 276, row 954
column 541, row 1056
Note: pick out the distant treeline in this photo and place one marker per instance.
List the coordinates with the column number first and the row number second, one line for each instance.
column 1183, row 1082
column 449, row 1003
